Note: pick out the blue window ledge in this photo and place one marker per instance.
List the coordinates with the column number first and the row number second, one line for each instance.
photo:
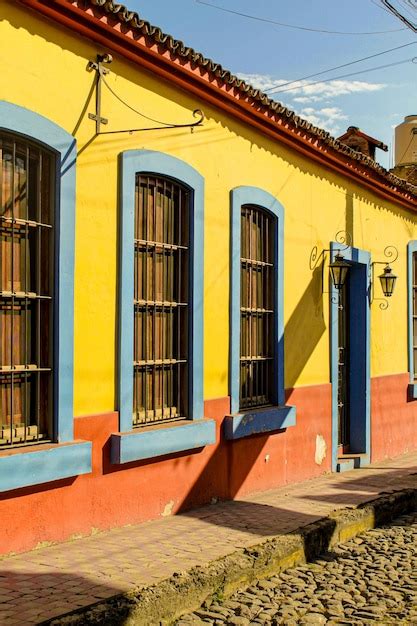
column 26, row 467
column 153, row 441
column 412, row 391
column 259, row 421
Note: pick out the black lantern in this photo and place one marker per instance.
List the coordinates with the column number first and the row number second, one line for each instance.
column 339, row 269
column 388, row 280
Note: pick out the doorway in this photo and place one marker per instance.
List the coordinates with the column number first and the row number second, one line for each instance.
column 350, row 363
column 343, row 354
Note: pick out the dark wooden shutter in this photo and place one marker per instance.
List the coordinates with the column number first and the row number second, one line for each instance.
column 161, row 301
column 26, row 296
column 257, row 342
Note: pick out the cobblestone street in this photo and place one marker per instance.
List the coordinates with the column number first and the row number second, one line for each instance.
column 372, row 578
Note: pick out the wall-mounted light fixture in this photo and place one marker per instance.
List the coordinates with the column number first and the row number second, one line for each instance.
column 387, row 278
column 339, row 268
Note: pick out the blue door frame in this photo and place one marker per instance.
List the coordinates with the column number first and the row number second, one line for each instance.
column 359, row 362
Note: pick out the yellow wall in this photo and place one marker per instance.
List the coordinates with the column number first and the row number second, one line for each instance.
column 46, row 72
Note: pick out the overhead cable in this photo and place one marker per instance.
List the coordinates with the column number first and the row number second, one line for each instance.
column 399, row 15
column 146, row 117
column 328, row 80
column 294, row 26
column 377, row 4
column 338, row 67
column 407, row 6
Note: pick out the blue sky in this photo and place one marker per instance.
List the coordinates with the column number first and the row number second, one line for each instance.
column 267, row 55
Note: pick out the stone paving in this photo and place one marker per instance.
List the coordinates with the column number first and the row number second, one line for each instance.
column 369, row 580
column 51, row 581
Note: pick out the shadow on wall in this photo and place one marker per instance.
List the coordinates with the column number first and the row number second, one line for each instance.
column 302, row 333
column 222, row 464
column 43, row 487
column 349, row 219
column 304, row 329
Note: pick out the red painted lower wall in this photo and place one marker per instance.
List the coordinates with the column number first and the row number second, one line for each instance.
column 394, row 417
column 114, row 496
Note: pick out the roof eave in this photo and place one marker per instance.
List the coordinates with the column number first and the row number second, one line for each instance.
column 233, row 102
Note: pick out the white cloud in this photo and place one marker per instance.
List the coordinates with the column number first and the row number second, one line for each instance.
column 262, row 81
column 326, row 117
column 307, row 99
column 303, row 92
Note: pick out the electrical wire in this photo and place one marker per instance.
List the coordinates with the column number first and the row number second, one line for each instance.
column 328, row 80
column 338, row 67
column 377, row 4
column 151, row 119
column 400, row 16
column 293, row 26
column 411, row 4
column 407, row 6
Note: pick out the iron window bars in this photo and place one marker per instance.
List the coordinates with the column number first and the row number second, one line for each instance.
column 160, row 300
column 257, row 308
column 26, row 296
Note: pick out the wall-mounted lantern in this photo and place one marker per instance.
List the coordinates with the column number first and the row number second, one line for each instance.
column 387, row 278
column 339, row 268
column 339, row 271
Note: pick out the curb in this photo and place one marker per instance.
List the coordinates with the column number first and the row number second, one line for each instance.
column 186, row 591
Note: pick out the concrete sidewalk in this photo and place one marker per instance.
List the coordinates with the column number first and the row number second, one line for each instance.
column 52, row 581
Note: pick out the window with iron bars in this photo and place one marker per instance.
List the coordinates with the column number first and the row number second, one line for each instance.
column 161, row 298
column 26, row 296
column 257, row 308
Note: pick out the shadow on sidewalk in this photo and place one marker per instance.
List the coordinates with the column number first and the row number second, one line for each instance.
column 355, row 490
column 304, row 504
column 33, row 597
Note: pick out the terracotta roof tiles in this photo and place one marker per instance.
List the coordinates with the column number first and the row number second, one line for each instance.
column 176, row 47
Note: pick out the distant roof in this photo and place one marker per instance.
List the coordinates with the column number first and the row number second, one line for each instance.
column 357, row 132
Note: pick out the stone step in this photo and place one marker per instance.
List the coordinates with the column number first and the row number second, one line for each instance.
column 350, row 461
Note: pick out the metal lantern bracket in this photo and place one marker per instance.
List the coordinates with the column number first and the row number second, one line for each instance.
column 344, row 239
column 99, row 66
column 391, row 254
column 101, row 71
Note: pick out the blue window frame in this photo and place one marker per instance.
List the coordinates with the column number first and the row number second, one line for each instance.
column 195, row 432
column 38, row 464
column 278, row 415
column 412, row 317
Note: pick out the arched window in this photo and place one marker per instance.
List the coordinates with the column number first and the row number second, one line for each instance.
column 161, row 300
column 37, row 226
column 257, row 308
column 256, row 366
column 27, row 293
column 161, row 308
